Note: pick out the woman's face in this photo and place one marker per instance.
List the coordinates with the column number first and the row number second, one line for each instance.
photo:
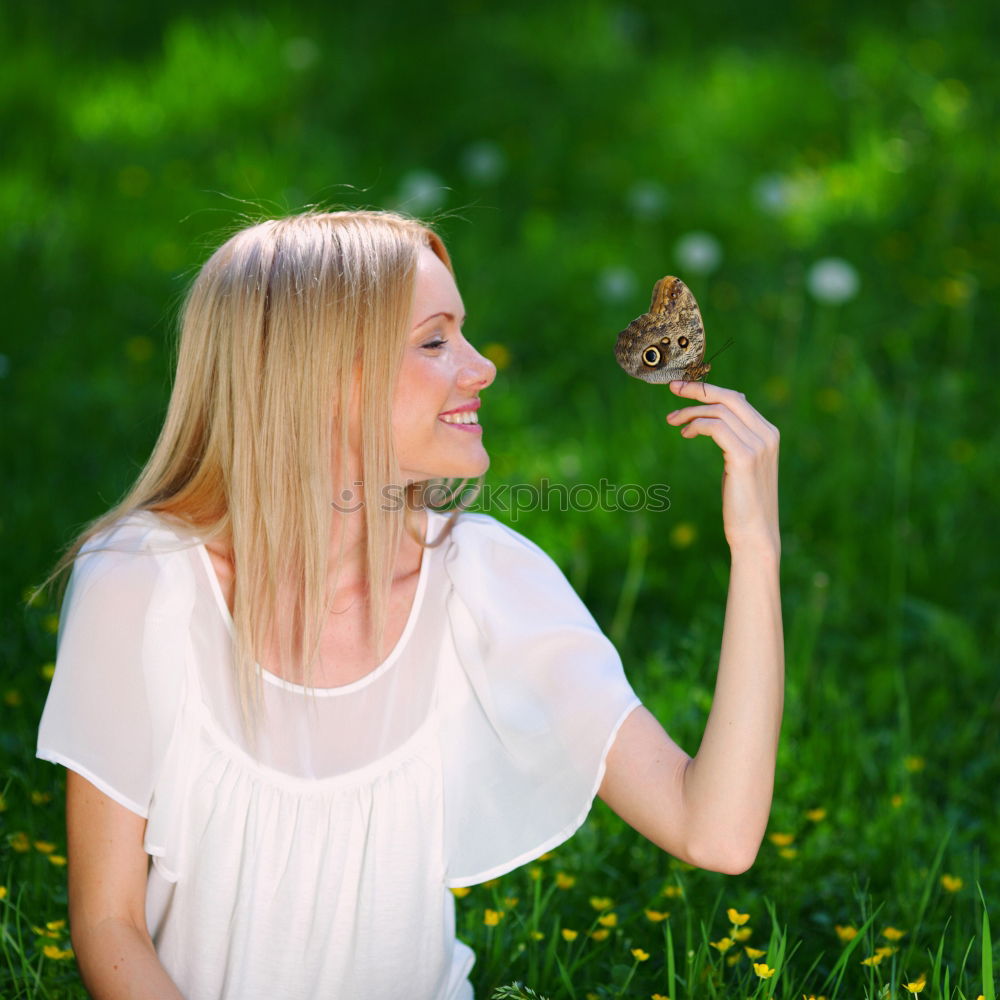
column 436, row 402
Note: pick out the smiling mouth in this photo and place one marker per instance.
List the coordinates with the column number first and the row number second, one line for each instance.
column 463, row 417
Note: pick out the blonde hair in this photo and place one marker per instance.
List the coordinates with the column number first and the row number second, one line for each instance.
column 280, row 325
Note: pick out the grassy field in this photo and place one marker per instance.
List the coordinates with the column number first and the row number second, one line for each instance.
column 826, row 182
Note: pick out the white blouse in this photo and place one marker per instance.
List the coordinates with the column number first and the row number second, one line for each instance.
column 317, row 864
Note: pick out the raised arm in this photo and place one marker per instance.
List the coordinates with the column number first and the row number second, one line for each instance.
column 711, row 810
column 107, row 894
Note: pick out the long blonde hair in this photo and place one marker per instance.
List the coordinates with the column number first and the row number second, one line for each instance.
column 280, row 325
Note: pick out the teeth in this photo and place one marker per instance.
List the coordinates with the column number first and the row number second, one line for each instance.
column 466, row 417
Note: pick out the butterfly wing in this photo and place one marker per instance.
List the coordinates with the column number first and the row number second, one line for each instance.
column 668, row 342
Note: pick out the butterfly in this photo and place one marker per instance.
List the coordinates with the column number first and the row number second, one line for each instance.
column 668, row 342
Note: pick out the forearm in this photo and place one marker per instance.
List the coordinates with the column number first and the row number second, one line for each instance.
column 118, row 962
column 727, row 786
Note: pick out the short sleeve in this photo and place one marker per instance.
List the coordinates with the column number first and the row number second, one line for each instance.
column 116, row 691
column 532, row 710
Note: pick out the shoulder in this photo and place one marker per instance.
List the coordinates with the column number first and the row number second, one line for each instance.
column 492, row 563
column 476, row 533
column 131, row 552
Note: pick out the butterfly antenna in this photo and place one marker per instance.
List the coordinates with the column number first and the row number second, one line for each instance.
column 728, row 343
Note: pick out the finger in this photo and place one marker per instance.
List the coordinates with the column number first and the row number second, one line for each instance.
column 715, row 411
column 731, row 398
column 738, row 442
column 736, row 451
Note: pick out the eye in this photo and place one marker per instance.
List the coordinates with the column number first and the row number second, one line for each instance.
column 434, row 344
column 651, row 357
column 682, row 341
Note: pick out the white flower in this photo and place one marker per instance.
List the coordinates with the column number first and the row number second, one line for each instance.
column 832, row 280
column 421, row 191
column 647, row 199
column 772, row 193
column 699, row 252
column 484, row 162
column 300, row 53
column 615, row 284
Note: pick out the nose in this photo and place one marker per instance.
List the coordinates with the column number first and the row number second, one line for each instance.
column 476, row 372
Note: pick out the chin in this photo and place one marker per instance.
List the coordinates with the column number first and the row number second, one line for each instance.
column 464, row 470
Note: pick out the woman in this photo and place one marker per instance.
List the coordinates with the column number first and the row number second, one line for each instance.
column 317, row 705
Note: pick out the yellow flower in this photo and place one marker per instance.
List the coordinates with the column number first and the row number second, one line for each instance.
column 917, row 985
column 535, row 873
column 601, row 902
column 762, row 970
column 55, row 925
column 914, row 764
column 492, row 917
column 40, row 798
column 498, row 354
column 537, row 936
column 788, row 852
column 656, row 915
column 548, row 855
column 48, row 671
column 742, row 933
column 511, row 901
column 896, row 801
column 816, row 815
column 659, row 996
column 737, row 918
column 3, row 892
column 608, row 920
column 885, row 951
column 51, row 623
column 57, row 859
column 12, row 698
column 871, row 960
column 683, row 535
column 600, row 934
column 569, row 935
column 461, row 892
column 564, row 881
column 673, row 891
column 491, row 884
column 20, row 843
column 44, row 846
column 893, row 934
column 951, row 883
column 754, row 953
column 639, row 955
column 3, row 803
column 723, row 944
column 54, row 951
column 731, row 960
column 846, row 933
column 781, row 839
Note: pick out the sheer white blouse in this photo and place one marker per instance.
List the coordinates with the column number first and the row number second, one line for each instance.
column 318, row 864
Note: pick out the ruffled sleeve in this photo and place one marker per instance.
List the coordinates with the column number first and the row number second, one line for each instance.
column 119, row 671
column 531, row 710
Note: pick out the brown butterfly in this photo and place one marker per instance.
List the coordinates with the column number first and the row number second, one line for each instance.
column 668, row 342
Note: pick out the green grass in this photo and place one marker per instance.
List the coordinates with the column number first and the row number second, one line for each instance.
column 575, row 144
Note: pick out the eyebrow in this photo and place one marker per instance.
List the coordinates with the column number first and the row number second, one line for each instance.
column 446, row 315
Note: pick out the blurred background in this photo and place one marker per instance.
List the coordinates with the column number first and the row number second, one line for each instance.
column 824, row 176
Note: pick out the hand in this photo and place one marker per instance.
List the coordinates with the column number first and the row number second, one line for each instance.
column 750, row 448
